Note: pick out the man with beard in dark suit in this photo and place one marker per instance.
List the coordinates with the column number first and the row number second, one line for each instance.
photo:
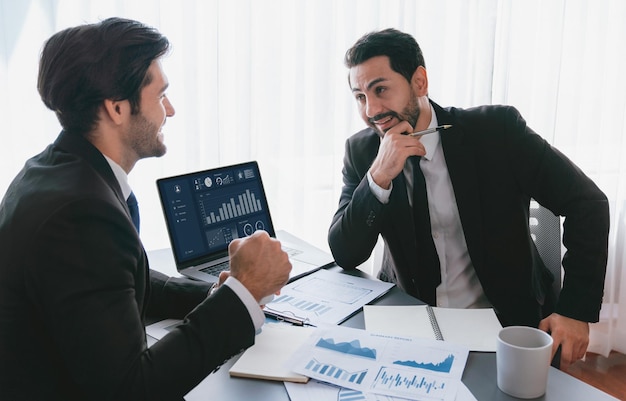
column 452, row 206
column 75, row 285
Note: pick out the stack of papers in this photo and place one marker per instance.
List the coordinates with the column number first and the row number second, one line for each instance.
column 382, row 365
column 353, row 364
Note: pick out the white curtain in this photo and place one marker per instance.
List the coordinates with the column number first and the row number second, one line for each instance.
column 264, row 80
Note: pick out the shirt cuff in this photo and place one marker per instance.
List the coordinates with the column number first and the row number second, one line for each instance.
column 380, row 193
column 257, row 315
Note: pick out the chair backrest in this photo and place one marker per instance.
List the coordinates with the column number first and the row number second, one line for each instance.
column 545, row 229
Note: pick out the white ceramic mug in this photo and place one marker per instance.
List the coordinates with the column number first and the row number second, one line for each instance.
column 523, row 360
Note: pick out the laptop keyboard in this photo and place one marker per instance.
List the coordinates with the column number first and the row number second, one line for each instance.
column 291, row 251
column 216, row 269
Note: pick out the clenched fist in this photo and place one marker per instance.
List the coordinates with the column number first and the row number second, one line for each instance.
column 259, row 263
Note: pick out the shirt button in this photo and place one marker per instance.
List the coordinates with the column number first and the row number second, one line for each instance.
column 435, row 235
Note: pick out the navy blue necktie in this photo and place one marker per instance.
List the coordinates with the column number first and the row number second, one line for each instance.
column 133, row 207
column 428, row 269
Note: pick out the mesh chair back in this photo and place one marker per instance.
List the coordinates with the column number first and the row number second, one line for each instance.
column 545, row 229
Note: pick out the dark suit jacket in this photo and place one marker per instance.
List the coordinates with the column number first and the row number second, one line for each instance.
column 496, row 164
column 75, row 288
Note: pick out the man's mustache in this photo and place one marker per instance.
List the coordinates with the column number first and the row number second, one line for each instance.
column 380, row 116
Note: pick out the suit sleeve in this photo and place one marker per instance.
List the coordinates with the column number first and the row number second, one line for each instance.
column 174, row 297
column 87, row 294
column 357, row 222
column 558, row 184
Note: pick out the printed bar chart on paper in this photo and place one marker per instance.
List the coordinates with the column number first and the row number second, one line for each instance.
column 335, row 372
column 303, row 305
column 404, row 367
column 316, row 390
column 325, row 297
column 406, row 382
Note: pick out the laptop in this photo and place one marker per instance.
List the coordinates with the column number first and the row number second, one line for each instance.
column 205, row 210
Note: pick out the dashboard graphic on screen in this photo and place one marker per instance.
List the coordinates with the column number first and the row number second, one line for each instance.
column 206, row 210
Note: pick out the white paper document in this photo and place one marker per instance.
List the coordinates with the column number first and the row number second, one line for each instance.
column 325, row 297
column 319, row 391
column 476, row 329
column 403, row 367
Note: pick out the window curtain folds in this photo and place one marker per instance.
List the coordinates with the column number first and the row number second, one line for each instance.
column 265, row 80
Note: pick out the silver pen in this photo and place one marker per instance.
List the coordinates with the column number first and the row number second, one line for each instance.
column 431, row 130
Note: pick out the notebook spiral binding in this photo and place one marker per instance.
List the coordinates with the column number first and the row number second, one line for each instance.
column 434, row 323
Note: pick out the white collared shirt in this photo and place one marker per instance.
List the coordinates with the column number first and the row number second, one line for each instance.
column 257, row 315
column 459, row 286
column 120, row 174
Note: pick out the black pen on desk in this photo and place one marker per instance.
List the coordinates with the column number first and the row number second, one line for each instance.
column 281, row 318
column 431, row 130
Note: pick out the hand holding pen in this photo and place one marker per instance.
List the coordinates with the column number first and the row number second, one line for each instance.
column 430, row 130
column 396, row 145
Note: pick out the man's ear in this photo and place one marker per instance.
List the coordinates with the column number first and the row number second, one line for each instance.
column 116, row 110
column 419, row 81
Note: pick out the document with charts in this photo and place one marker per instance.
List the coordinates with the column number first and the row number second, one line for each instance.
column 403, row 367
column 318, row 391
column 325, row 297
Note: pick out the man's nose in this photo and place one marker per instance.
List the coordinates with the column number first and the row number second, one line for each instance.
column 169, row 108
column 373, row 107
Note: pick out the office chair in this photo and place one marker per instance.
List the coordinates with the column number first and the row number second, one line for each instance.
column 545, row 230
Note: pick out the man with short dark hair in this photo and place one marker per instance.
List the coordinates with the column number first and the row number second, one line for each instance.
column 75, row 286
column 452, row 206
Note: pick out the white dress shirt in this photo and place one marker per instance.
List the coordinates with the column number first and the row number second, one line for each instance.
column 459, row 286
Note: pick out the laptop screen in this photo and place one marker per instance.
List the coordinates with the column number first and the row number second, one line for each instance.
column 205, row 210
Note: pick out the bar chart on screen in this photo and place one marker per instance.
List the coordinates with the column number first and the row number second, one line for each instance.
column 226, row 208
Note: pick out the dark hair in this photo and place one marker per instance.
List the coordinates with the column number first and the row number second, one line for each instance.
column 401, row 48
column 82, row 66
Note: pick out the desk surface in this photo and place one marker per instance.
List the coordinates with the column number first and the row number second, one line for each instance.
column 479, row 375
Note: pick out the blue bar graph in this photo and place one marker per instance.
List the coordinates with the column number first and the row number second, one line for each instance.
column 346, row 394
column 389, row 378
column 303, row 305
column 330, row 370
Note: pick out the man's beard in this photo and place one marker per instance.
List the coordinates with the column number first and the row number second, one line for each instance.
column 144, row 138
column 410, row 113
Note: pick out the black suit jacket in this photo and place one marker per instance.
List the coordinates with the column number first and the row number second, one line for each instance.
column 496, row 164
column 75, row 287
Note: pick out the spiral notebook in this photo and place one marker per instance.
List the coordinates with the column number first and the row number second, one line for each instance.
column 477, row 329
